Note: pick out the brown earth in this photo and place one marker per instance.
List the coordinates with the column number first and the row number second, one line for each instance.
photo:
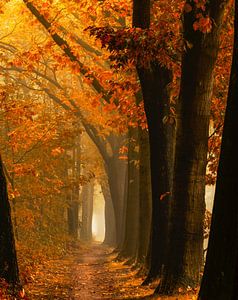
column 88, row 272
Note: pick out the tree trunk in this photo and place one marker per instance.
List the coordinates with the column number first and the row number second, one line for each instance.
column 8, row 260
column 144, row 198
column 87, row 212
column 186, row 236
column 110, row 230
column 73, row 196
column 154, row 83
column 73, row 218
column 221, row 269
column 156, row 100
column 116, row 170
column 130, row 244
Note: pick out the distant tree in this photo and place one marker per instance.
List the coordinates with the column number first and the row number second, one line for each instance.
column 221, row 270
column 87, row 211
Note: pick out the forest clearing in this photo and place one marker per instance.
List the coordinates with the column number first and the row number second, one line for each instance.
column 118, row 149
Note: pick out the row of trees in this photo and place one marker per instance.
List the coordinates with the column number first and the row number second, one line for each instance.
column 157, row 198
column 179, row 224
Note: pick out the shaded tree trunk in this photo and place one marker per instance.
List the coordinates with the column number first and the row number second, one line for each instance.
column 130, row 244
column 73, row 195
column 156, row 102
column 154, row 83
column 8, row 260
column 221, row 270
column 186, row 236
column 73, row 218
column 87, row 212
column 110, row 230
column 145, row 202
column 116, row 170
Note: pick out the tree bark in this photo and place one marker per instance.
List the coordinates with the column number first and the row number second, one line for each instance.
column 116, row 172
column 154, row 84
column 220, row 275
column 156, row 101
column 73, row 218
column 130, row 244
column 8, row 259
column 188, row 206
column 145, row 201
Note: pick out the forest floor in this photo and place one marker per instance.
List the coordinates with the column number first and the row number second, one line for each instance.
column 88, row 272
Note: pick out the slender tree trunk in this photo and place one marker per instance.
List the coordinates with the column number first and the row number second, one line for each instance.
column 8, row 260
column 110, row 230
column 186, row 237
column 154, row 83
column 73, row 196
column 221, row 269
column 87, row 212
column 73, row 218
column 130, row 244
column 116, row 170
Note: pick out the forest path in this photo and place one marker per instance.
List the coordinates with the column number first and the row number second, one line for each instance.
column 88, row 272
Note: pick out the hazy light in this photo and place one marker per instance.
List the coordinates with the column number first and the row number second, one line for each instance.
column 98, row 222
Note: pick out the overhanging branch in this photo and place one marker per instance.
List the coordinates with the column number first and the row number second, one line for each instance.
column 67, row 50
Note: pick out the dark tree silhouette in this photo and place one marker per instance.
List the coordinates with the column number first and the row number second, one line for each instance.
column 154, row 85
column 193, row 113
column 220, row 275
column 8, row 259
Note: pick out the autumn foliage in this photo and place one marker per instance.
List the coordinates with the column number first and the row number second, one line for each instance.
column 72, row 72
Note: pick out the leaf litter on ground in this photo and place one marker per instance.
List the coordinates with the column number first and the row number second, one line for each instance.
column 87, row 272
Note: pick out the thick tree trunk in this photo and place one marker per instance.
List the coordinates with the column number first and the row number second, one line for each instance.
column 156, row 101
column 87, row 212
column 154, row 83
column 145, row 201
column 186, row 237
column 130, row 244
column 221, row 269
column 8, row 259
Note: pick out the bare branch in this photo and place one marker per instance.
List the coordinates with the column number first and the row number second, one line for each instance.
column 215, row 130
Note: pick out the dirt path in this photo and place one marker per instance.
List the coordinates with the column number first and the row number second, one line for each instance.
column 86, row 273
column 89, row 272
